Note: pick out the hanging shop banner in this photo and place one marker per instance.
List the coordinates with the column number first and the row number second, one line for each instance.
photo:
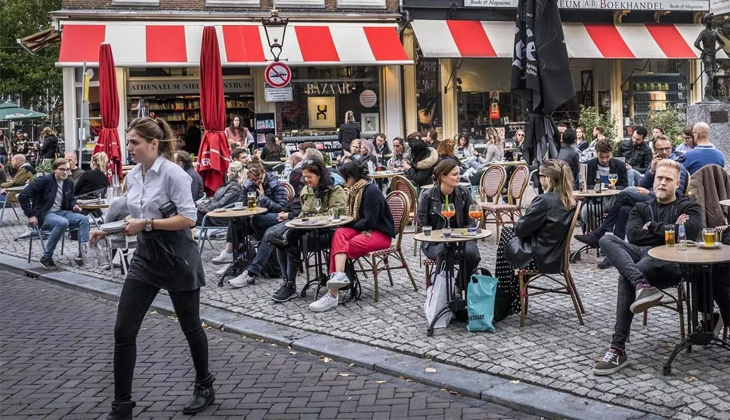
column 172, row 86
column 688, row 5
column 494, row 105
column 322, row 112
column 428, row 93
column 720, row 7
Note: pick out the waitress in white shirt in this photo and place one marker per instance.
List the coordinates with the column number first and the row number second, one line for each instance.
column 162, row 213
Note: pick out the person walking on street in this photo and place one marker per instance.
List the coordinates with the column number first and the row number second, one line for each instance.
column 49, row 147
column 162, row 212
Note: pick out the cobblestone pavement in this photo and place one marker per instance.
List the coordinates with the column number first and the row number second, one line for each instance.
column 552, row 350
column 56, row 356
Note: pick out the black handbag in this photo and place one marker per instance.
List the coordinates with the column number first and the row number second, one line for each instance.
column 276, row 235
column 519, row 252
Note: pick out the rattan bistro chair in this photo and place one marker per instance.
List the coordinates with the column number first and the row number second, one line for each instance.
column 401, row 183
column 378, row 261
column 513, row 208
column 490, row 188
column 566, row 285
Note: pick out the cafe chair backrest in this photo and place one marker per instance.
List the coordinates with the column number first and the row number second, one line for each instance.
column 569, row 237
column 289, row 191
column 492, row 182
column 517, row 184
column 399, row 206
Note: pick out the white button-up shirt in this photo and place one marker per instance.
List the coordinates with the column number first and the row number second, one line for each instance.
column 165, row 181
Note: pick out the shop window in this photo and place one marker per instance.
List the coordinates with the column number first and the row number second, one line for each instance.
column 322, row 96
column 361, row 3
column 299, row 3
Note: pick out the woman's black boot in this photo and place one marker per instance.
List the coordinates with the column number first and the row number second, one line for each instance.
column 203, row 396
column 121, row 410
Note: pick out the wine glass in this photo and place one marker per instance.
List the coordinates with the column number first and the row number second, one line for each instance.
column 475, row 212
column 317, row 204
column 613, row 178
column 447, row 212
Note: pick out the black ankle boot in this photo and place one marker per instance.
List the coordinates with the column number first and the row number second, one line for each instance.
column 203, row 396
column 121, row 410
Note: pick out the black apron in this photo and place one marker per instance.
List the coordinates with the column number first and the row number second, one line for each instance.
column 169, row 260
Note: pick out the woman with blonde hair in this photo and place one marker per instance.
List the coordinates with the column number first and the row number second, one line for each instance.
column 495, row 149
column 93, row 183
column 348, row 132
column 227, row 194
column 539, row 237
column 49, row 147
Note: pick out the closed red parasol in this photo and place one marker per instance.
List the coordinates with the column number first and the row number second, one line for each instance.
column 108, row 141
column 214, row 156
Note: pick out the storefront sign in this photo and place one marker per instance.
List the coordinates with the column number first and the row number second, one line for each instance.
column 429, row 95
column 171, row 86
column 368, row 98
column 720, row 7
column 326, row 88
column 321, row 111
column 494, row 105
column 690, row 5
column 278, row 95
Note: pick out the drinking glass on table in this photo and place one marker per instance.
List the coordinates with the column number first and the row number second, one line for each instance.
column 475, row 213
column 447, row 212
column 613, row 179
column 710, row 236
column 669, row 236
column 317, row 204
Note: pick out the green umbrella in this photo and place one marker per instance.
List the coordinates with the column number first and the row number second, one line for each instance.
column 12, row 112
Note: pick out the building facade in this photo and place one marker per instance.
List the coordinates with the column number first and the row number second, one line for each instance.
column 345, row 55
column 627, row 59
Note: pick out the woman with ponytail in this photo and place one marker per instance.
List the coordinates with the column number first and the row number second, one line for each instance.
column 538, row 239
column 162, row 212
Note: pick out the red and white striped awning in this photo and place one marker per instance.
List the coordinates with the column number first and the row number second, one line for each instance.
column 477, row 39
column 177, row 44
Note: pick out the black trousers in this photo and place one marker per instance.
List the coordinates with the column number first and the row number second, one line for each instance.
column 134, row 303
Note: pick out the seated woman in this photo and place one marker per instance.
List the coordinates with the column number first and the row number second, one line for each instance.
column 373, row 229
column 272, row 151
column 320, row 189
column 367, row 154
column 93, row 183
column 540, row 231
column 495, row 149
column 352, row 155
column 227, row 194
column 446, row 180
column 423, row 160
column 446, row 151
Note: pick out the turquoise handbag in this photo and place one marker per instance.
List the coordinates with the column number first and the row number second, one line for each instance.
column 480, row 296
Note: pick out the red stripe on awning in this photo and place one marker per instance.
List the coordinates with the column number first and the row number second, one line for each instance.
column 81, row 43
column 670, row 40
column 470, row 38
column 316, row 43
column 385, row 44
column 243, row 44
column 166, row 44
column 608, row 40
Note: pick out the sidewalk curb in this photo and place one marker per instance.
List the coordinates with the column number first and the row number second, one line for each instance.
column 524, row 397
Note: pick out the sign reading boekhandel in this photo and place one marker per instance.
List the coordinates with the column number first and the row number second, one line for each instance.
column 689, row 5
column 720, row 7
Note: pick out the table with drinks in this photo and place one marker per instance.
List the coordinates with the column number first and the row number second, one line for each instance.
column 454, row 241
column 696, row 260
column 593, row 200
column 239, row 234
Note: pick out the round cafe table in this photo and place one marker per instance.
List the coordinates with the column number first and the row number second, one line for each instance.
column 696, row 266
column 594, row 205
column 318, row 227
column 385, row 174
column 507, row 163
column 15, row 189
column 454, row 249
column 239, row 238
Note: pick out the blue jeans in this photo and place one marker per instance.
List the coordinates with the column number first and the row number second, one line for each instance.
column 634, row 177
column 58, row 222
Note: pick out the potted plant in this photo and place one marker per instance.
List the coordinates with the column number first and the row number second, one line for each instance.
column 45, row 167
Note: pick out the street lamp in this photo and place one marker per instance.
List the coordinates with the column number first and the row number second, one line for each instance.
column 275, row 28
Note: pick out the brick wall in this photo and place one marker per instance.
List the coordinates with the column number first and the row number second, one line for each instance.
column 330, row 5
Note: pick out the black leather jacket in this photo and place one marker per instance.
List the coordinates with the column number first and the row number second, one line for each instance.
column 545, row 224
column 429, row 208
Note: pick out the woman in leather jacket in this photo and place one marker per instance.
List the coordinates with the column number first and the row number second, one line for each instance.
column 538, row 239
column 446, row 180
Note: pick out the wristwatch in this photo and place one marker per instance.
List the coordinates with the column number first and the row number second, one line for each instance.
column 148, row 226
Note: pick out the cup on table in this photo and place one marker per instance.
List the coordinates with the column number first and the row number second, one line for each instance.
column 446, row 232
column 238, row 205
column 335, row 213
column 710, row 236
column 669, row 236
column 427, row 231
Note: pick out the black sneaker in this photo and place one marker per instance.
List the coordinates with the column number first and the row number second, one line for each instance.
column 605, row 264
column 612, row 362
column 48, row 264
column 646, row 297
column 286, row 292
column 590, row 238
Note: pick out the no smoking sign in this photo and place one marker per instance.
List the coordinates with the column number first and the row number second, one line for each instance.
column 277, row 75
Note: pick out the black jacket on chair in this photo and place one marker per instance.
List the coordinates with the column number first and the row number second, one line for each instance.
column 38, row 197
column 545, row 225
column 617, row 167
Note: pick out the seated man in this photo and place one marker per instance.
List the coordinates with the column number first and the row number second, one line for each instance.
column 24, row 173
column 49, row 202
column 619, row 213
column 76, row 172
column 637, row 154
column 602, row 166
column 641, row 275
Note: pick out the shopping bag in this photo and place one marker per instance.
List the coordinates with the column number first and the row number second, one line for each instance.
column 480, row 296
column 436, row 299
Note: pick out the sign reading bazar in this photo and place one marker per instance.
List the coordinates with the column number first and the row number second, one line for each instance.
column 689, row 5
column 172, row 86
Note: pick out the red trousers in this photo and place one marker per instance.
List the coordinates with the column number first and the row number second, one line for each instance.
column 356, row 244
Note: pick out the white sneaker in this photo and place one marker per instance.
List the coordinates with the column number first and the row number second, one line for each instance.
column 222, row 271
column 224, row 257
column 325, row 303
column 239, row 281
column 338, row 281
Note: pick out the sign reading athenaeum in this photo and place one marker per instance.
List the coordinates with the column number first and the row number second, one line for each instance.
column 689, row 5
column 172, row 86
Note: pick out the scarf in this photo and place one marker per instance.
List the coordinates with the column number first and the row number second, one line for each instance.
column 354, row 198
